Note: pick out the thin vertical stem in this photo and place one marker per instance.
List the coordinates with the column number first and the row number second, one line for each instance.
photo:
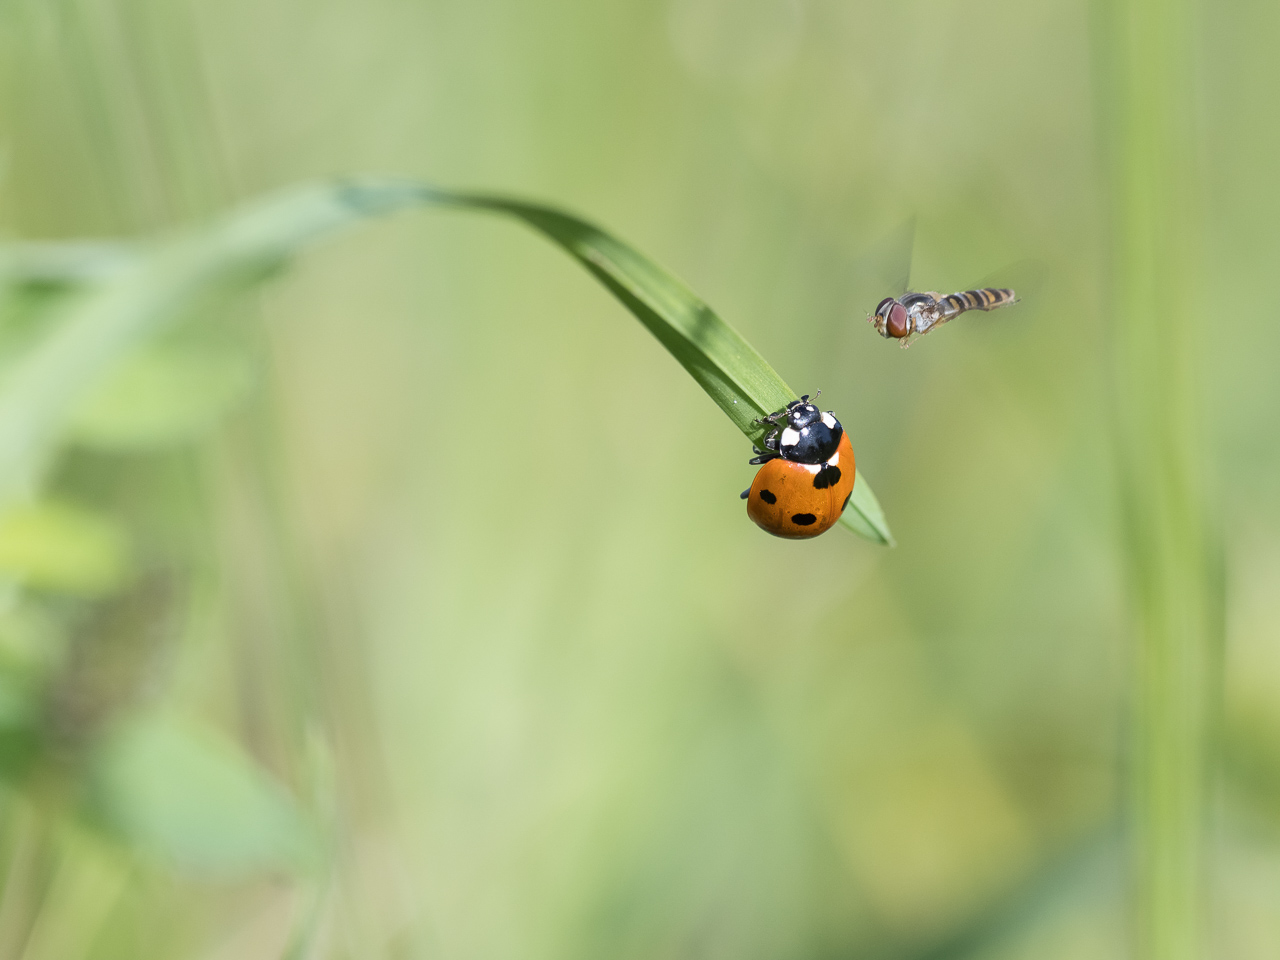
column 19, row 893
column 1147, row 94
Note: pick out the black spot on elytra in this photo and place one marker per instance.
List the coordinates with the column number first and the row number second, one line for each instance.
column 803, row 519
column 846, row 501
column 768, row 497
column 828, row 476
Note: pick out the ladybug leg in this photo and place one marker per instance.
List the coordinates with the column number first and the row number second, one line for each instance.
column 770, row 451
column 744, row 494
column 764, row 456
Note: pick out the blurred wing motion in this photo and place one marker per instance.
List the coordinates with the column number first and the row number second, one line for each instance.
column 884, row 266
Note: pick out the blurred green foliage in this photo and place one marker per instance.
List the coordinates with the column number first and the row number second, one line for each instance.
column 160, row 397
column 404, row 606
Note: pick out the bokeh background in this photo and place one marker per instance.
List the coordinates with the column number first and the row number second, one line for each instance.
column 405, row 607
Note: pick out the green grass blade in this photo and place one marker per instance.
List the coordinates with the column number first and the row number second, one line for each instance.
column 1149, row 97
column 728, row 368
column 60, row 263
column 143, row 295
column 864, row 515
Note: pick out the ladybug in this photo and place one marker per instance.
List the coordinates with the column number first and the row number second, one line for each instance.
column 806, row 473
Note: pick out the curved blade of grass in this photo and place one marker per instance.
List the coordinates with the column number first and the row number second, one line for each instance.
column 142, row 295
column 60, row 263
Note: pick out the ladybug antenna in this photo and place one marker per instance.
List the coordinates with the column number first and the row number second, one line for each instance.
column 816, row 394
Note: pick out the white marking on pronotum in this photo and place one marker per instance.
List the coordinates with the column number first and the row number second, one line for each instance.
column 835, row 459
column 790, row 438
column 812, row 467
column 829, row 420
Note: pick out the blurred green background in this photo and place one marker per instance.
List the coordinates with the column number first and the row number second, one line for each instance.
column 405, row 606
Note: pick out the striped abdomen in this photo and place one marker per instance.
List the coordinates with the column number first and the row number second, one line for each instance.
column 988, row 298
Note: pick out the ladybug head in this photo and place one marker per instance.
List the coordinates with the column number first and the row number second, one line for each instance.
column 801, row 413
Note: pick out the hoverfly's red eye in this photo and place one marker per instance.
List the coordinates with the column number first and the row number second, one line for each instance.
column 897, row 324
column 882, row 304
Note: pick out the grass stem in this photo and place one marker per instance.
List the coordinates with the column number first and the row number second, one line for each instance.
column 1147, row 100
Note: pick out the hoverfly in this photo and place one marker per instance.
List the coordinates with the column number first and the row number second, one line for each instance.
column 911, row 315
column 915, row 314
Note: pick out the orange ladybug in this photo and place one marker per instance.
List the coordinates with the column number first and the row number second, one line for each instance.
column 806, row 473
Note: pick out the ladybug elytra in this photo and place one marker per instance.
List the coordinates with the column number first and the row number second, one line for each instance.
column 806, row 473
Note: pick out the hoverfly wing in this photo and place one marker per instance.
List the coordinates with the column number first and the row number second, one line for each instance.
column 885, row 268
column 1027, row 278
column 901, row 249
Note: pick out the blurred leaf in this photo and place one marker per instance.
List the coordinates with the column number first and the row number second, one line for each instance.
column 20, row 735
column 1250, row 749
column 162, row 396
column 142, row 296
column 1092, row 866
column 21, row 746
column 193, row 799
column 17, row 705
column 30, row 646
column 32, row 640
column 112, row 653
column 59, row 263
column 57, row 546
column 26, row 314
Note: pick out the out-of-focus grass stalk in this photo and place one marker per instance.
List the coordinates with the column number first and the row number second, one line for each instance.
column 1147, row 100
